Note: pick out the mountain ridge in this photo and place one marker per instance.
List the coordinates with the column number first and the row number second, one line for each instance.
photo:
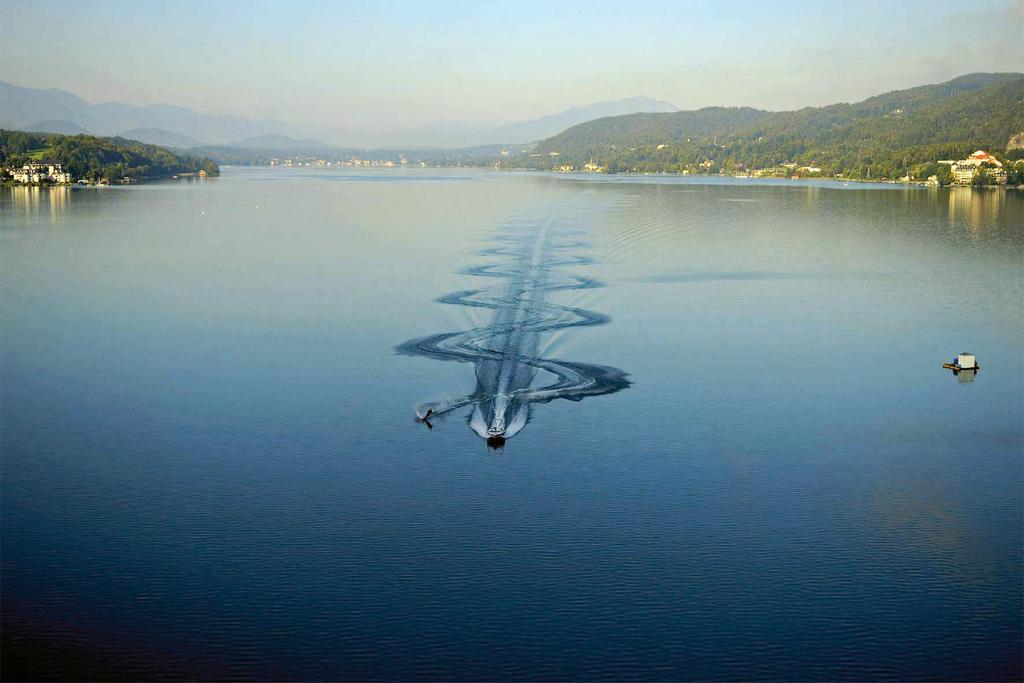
column 880, row 135
column 22, row 106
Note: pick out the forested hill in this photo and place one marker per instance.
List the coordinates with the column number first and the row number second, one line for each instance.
column 617, row 132
column 92, row 158
column 883, row 136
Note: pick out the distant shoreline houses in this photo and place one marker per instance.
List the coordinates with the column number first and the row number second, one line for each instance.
column 35, row 173
column 51, row 173
column 352, row 162
column 979, row 169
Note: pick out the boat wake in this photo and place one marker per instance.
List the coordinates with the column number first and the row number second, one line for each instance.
column 508, row 352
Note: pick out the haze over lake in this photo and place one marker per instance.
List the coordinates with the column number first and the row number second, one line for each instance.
column 212, row 466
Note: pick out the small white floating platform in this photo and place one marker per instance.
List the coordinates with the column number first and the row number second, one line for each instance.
column 963, row 361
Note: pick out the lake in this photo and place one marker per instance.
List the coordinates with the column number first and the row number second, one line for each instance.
column 680, row 429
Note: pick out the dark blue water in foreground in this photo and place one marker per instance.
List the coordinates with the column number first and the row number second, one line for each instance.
column 211, row 466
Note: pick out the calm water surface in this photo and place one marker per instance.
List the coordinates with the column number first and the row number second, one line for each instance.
column 212, row 467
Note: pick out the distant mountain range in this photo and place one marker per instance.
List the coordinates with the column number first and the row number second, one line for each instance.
column 885, row 136
column 546, row 126
column 522, row 131
column 24, row 108
column 58, row 111
column 882, row 136
column 159, row 136
column 52, row 126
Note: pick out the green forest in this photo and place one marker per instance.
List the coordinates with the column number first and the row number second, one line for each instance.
column 93, row 158
column 884, row 137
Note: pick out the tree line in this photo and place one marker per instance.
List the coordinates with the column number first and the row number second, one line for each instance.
column 94, row 158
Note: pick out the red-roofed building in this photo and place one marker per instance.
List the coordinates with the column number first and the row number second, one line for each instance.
column 965, row 169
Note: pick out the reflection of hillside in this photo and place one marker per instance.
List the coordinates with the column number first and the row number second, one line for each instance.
column 977, row 210
column 34, row 201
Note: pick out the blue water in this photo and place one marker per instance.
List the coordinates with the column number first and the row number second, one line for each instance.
column 212, row 466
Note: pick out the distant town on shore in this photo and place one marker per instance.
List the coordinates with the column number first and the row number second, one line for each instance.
column 967, row 131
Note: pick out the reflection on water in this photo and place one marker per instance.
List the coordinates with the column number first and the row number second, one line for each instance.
column 508, row 352
column 965, row 376
column 666, row 226
column 38, row 201
column 977, row 209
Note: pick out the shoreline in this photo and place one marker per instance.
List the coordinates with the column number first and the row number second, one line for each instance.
column 117, row 183
column 831, row 179
column 696, row 178
column 888, row 184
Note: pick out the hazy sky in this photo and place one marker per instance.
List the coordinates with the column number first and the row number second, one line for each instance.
column 388, row 65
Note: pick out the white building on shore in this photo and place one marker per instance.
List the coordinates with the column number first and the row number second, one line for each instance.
column 965, row 169
column 34, row 173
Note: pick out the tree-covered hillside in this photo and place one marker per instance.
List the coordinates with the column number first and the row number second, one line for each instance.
column 885, row 136
column 596, row 138
column 92, row 158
